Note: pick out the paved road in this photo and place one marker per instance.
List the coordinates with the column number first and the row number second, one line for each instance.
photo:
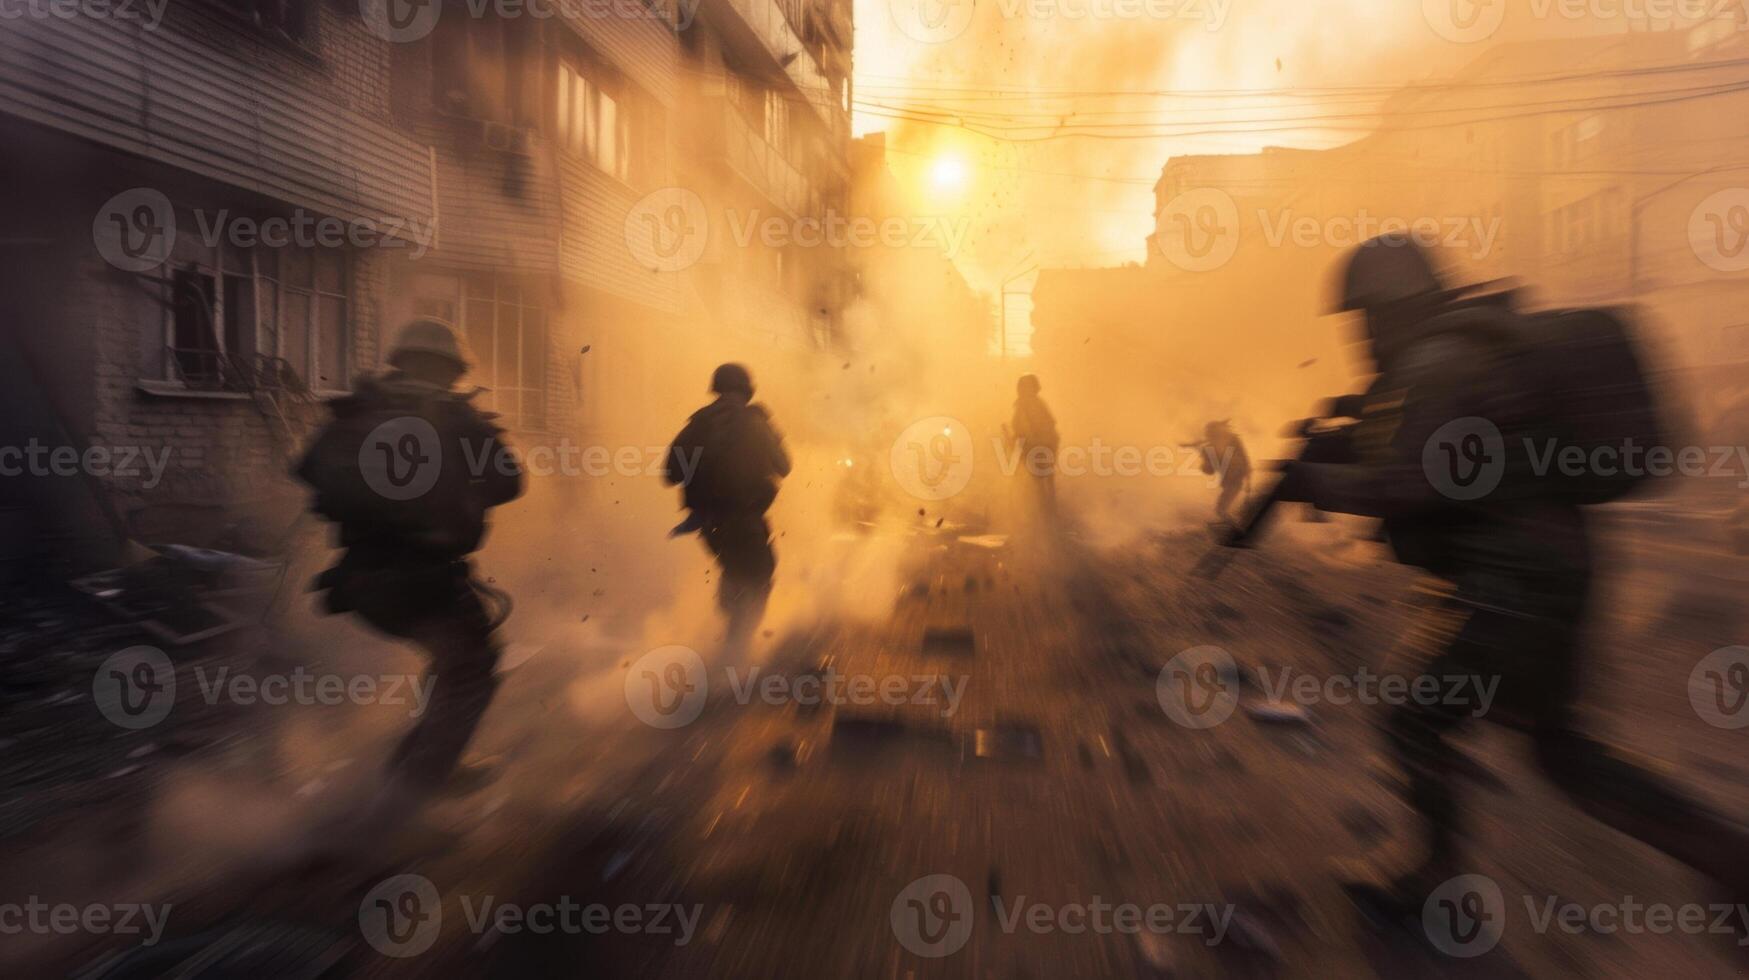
column 998, row 791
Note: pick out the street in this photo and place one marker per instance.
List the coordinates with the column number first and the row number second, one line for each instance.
column 1001, row 731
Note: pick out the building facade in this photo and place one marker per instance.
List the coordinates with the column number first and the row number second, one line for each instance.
column 224, row 208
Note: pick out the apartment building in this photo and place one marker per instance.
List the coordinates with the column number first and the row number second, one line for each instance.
column 221, row 210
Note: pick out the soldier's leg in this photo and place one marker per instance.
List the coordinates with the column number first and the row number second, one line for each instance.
column 1224, row 505
column 464, row 660
column 1418, row 729
column 1624, row 794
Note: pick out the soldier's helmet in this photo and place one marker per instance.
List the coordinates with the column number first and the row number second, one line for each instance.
column 1028, row 385
column 1385, row 271
column 732, row 378
column 431, row 336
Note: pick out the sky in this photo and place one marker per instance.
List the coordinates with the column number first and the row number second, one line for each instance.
column 1242, row 66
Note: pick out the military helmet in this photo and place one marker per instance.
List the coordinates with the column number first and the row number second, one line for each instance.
column 732, row 377
column 427, row 335
column 1385, row 271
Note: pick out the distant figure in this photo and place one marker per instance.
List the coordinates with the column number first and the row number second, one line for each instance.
column 1033, row 434
column 1519, row 567
column 1223, row 453
column 392, row 469
column 728, row 461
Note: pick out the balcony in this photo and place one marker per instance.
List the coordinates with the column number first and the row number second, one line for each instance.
column 758, row 31
column 759, row 163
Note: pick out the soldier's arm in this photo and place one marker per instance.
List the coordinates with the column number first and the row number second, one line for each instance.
column 675, row 468
column 1439, row 380
column 502, row 480
column 779, row 455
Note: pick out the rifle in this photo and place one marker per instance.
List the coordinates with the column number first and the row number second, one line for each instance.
column 1326, row 441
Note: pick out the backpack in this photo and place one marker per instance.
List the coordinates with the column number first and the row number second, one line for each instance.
column 1578, row 381
column 393, row 464
column 734, row 468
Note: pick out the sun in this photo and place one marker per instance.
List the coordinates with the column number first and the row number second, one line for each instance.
column 948, row 173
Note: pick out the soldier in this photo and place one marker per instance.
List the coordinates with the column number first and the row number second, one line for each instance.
column 729, row 460
column 1034, row 436
column 1519, row 568
column 1223, row 453
column 408, row 468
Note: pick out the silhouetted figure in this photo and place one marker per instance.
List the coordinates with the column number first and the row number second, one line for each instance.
column 729, row 460
column 1223, row 453
column 1519, row 566
column 1033, row 434
column 408, row 468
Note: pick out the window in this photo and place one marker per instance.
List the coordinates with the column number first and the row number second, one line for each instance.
column 591, row 123
column 290, row 19
column 505, row 323
column 307, row 289
column 205, row 334
column 777, row 121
